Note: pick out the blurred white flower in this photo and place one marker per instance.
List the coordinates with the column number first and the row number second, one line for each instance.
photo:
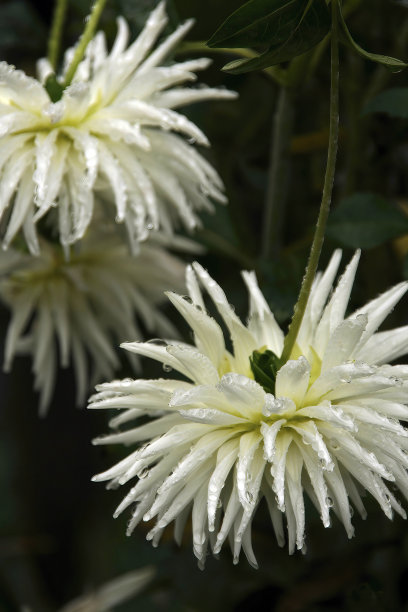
column 111, row 594
column 246, row 427
column 77, row 311
column 114, row 131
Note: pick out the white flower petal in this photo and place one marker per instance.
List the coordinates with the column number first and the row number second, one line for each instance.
column 292, row 380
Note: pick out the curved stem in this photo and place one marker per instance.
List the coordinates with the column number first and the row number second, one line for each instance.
column 318, row 239
column 277, row 174
column 86, row 37
column 54, row 42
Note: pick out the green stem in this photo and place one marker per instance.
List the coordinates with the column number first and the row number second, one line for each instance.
column 54, row 42
column 85, row 40
column 277, row 174
column 290, row 339
column 276, row 73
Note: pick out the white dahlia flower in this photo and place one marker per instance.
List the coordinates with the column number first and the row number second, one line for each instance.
column 244, row 427
column 75, row 312
column 114, row 131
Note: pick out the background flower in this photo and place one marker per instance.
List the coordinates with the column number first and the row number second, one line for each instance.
column 77, row 311
column 247, row 427
column 114, row 131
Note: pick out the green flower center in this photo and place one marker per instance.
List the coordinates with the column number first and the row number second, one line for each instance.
column 265, row 366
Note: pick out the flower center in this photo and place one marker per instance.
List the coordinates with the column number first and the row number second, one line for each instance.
column 265, row 365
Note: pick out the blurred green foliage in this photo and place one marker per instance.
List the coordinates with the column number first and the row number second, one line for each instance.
column 57, row 537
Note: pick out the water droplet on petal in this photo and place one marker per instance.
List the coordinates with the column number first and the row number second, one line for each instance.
column 329, row 502
column 143, row 473
column 335, row 444
column 249, row 497
column 157, row 342
column 126, row 382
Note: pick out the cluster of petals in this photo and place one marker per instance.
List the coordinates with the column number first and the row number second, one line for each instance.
column 218, row 443
column 74, row 312
column 114, row 133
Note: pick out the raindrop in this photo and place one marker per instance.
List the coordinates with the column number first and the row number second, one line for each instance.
column 329, row 502
column 143, row 473
column 149, row 226
column 249, row 497
column 334, row 444
column 157, row 342
column 167, row 367
column 126, row 382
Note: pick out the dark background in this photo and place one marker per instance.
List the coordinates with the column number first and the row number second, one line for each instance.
column 57, row 537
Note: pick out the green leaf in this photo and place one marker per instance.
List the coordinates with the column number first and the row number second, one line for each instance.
column 311, row 29
column 265, row 366
column 259, row 22
column 394, row 102
column 54, row 89
column 394, row 64
column 366, row 220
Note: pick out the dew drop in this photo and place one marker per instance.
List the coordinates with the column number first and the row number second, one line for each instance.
column 167, row 367
column 335, row 444
column 329, row 502
column 249, row 497
column 126, row 382
column 157, row 342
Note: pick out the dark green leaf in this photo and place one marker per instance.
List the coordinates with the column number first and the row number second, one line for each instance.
column 394, row 64
column 265, row 366
column 259, row 22
column 394, row 102
column 311, row 29
column 366, row 220
column 54, row 89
